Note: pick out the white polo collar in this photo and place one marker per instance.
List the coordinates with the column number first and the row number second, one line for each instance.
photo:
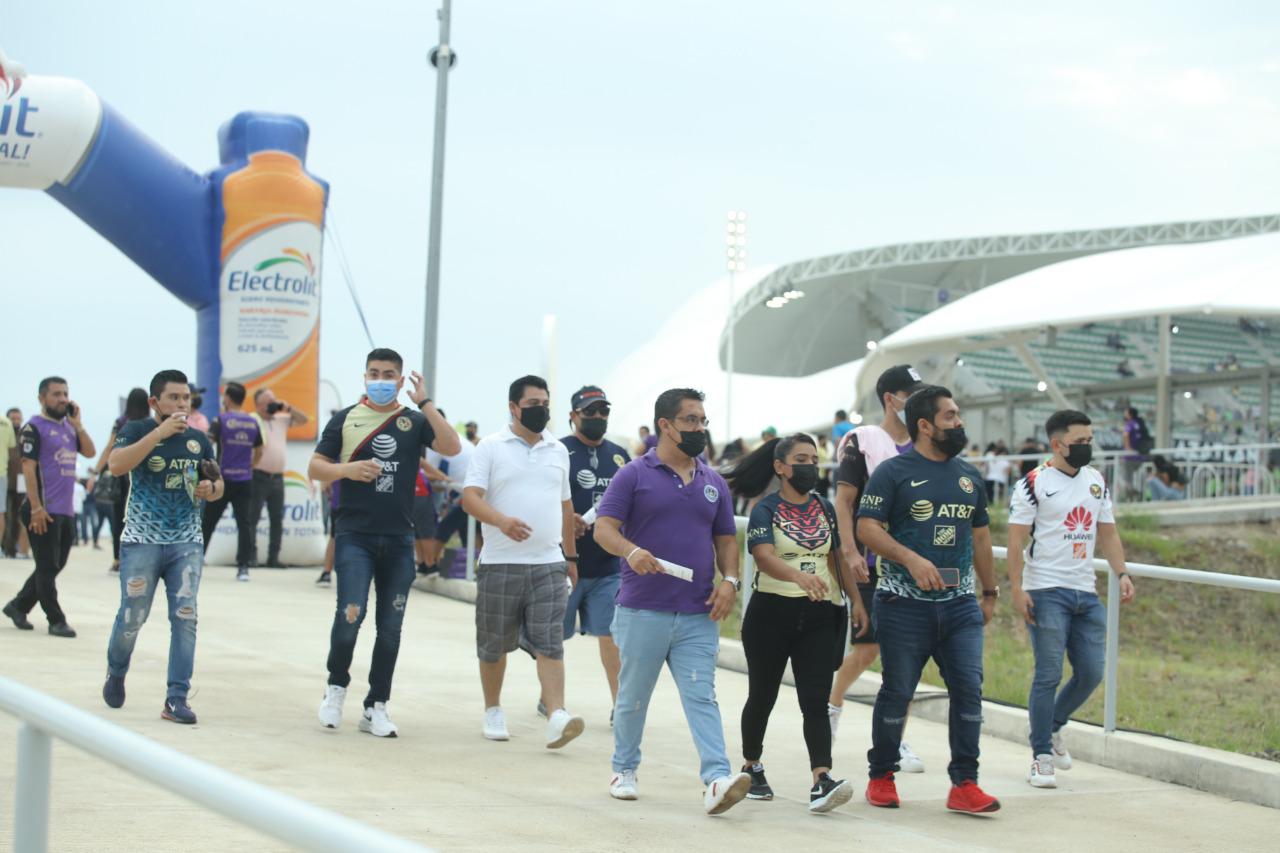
column 546, row 438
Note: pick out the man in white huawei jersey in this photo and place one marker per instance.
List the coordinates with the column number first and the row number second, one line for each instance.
column 1064, row 509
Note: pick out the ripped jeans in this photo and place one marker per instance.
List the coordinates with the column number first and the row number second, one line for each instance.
column 910, row 632
column 387, row 562
column 142, row 567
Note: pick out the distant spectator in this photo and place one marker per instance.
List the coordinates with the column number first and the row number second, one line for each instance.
column 1165, row 482
column 1029, row 446
column 1114, row 342
column 197, row 418
column 15, row 535
column 1124, row 369
column 648, row 441
column 473, row 432
column 841, row 426
column 997, row 474
column 734, row 450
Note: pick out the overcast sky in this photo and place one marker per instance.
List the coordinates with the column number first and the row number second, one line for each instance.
column 594, row 148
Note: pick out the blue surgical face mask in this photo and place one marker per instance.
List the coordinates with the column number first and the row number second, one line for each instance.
column 381, row 392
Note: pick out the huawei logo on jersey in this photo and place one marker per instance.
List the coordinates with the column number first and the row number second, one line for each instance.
column 1079, row 519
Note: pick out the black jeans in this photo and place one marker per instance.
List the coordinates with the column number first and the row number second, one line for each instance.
column 117, row 517
column 50, row 550
column 11, row 522
column 778, row 629
column 268, row 489
column 238, row 493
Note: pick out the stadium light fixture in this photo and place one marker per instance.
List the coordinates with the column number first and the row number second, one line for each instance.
column 959, row 361
column 1042, row 386
column 1186, row 395
column 1174, row 329
column 871, row 346
column 855, row 418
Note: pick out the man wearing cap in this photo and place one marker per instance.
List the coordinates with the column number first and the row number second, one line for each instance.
column 860, row 451
column 593, row 463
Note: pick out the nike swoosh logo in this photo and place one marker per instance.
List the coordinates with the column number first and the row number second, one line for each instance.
column 1051, row 494
column 918, row 482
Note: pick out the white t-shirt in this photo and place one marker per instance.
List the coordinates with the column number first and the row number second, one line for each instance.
column 998, row 470
column 77, row 498
column 458, row 463
column 1064, row 513
column 528, row 483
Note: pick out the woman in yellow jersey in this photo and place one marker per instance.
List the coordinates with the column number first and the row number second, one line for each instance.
column 796, row 613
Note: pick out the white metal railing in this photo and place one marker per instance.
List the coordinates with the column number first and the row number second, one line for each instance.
column 281, row 816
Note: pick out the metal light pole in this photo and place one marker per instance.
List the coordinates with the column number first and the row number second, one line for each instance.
column 735, row 239
column 443, row 58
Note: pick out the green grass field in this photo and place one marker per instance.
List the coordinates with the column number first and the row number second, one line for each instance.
column 1197, row 663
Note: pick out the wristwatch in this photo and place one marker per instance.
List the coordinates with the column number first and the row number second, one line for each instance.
column 991, row 593
column 737, row 584
column 572, row 559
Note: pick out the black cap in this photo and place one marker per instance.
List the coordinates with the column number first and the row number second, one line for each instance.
column 585, row 396
column 900, row 377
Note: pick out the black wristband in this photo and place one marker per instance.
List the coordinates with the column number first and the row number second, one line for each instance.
column 423, row 403
column 572, row 559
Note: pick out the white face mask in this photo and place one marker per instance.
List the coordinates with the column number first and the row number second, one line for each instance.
column 901, row 412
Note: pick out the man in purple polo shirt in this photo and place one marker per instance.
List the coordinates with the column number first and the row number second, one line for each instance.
column 669, row 514
column 239, row 440
column 49, row 444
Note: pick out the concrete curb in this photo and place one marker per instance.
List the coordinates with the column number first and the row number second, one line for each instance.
column 1238, row 777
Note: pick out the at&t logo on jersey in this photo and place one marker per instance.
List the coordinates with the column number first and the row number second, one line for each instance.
column 587, row 479
column 383, row 446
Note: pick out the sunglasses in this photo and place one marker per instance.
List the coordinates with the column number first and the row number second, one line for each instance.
column 597, row 410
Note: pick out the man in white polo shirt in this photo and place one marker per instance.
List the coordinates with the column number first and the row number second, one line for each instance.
column 517, row 486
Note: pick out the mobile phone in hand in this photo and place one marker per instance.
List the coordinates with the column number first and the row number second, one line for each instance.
column 950, row 577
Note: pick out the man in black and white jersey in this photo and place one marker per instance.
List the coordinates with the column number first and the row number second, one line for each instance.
column 1064, row 509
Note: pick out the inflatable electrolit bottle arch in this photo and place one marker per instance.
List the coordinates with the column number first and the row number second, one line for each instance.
column 241, row 246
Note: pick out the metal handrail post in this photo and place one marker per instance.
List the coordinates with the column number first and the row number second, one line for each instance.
column 31, row 802
column 1113, row 653
column 471, row 547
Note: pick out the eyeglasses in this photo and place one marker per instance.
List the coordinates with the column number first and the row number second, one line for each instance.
column 691, row 421
column 597, row 410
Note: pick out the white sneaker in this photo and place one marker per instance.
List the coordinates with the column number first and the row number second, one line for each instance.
column 623, row 786
column 331, row 707
column 1061, row 758
column 908, row 761
column 495, row 724
column 726, row 792
column 1041, row 773
column 563, row 727
column 833, row 714
column 376, row 722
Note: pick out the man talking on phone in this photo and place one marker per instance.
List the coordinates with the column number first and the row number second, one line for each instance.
column 49, row 444
column 924, row 514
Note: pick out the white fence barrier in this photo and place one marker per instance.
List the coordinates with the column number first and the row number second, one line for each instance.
column 305, row 826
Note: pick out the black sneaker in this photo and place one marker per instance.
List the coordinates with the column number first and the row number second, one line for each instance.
column 19, row 618
column 62, row 629
column 828, row 794
column 177, row 710
column 324, row 579
column 242, row 574
column 760, row 789
column 113, row 691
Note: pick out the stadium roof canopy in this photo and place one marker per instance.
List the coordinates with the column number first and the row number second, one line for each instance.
column 858, row 297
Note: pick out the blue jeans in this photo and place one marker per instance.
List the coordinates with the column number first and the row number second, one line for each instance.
column 387, row 562
column 910, row 632
column 1074, row 622
column 142, row 567
column 687, row 643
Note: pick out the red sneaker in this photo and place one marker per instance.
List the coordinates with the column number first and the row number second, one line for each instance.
column 968, row 797
column 882, row 792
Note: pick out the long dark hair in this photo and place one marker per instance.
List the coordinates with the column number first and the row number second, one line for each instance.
column 754, row 472
column 136, row 405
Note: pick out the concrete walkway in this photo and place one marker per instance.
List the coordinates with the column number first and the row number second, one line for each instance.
column 260, row 675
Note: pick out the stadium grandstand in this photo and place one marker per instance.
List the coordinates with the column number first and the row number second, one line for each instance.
column 1018, row 325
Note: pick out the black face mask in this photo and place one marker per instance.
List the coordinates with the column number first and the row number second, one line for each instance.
column 535, row 418
column 1079, row 455
column 593, row 429
column 952, row 443
column 803, row 478
column 692, row 442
